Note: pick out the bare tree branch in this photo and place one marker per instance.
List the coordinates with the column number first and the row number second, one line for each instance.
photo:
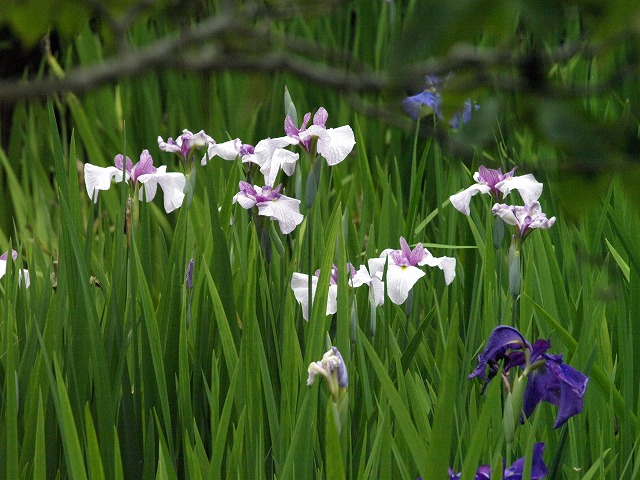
column 232, row 41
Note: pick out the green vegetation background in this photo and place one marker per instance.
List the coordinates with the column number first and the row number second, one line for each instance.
column 100, row 375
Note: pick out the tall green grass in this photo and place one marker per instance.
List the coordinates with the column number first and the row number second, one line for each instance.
column 111, row 369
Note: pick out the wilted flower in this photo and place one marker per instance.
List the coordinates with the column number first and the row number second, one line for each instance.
column 186, row 143
column 334, row 144
column 271, row 203
column 172, row 183
column 402, row 272
column 515, row 471
column 431, row 98
column 498, row 185
column 23, row 274
column 332, row 368
column 300, row 287
column 524, row 218
column 549, row 378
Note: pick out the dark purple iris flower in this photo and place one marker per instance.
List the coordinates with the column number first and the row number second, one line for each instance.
column 549, row 378
column 431, row 97
column 515, row 471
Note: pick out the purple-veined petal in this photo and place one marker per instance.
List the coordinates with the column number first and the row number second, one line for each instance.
column 505, row 212
column 285, row 210
column 99, row 178
column 281, row 159
column 528, row 187
column 117, row 161
column 446, row 264
column 334, row 144
column 461, row 200
column 264, row 152
column 401, row 279
column 320, row 117
column 5, row 255
column 172, row 184
column 246, row 197
column 143, row 167
column 228, row 150
column 169, row 146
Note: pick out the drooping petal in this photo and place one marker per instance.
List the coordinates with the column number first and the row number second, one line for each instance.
column 334, row 144
column 528, row 187
column 556, row 383
column 169, row 146
column 172, row 184
column 281, row 159
column 23, row 274
column 246, row 197
column 461, row 200
column 502, row 338
column 227, row 150
column 285, row 210
column 417, row 105
column 505, row 212
column 538, row 467
column 446, row 264
column 401, row 279
column 264, row 153
column 332, row 300
column 300, row 287
column 99, row 178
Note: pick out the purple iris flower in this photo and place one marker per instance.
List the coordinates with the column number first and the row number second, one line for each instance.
column 144, row 166
column 319, row 119
column 23, row 274
column 549, row 378
column 271, row 203
column 300, row 287
column 515, row 471
column 431, row 97
column 498, row 185
column 172, row 183
column 524, row 218
column 185, row 143
column 5, row 255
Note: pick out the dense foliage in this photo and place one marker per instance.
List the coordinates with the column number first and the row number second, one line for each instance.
column 146, row 340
